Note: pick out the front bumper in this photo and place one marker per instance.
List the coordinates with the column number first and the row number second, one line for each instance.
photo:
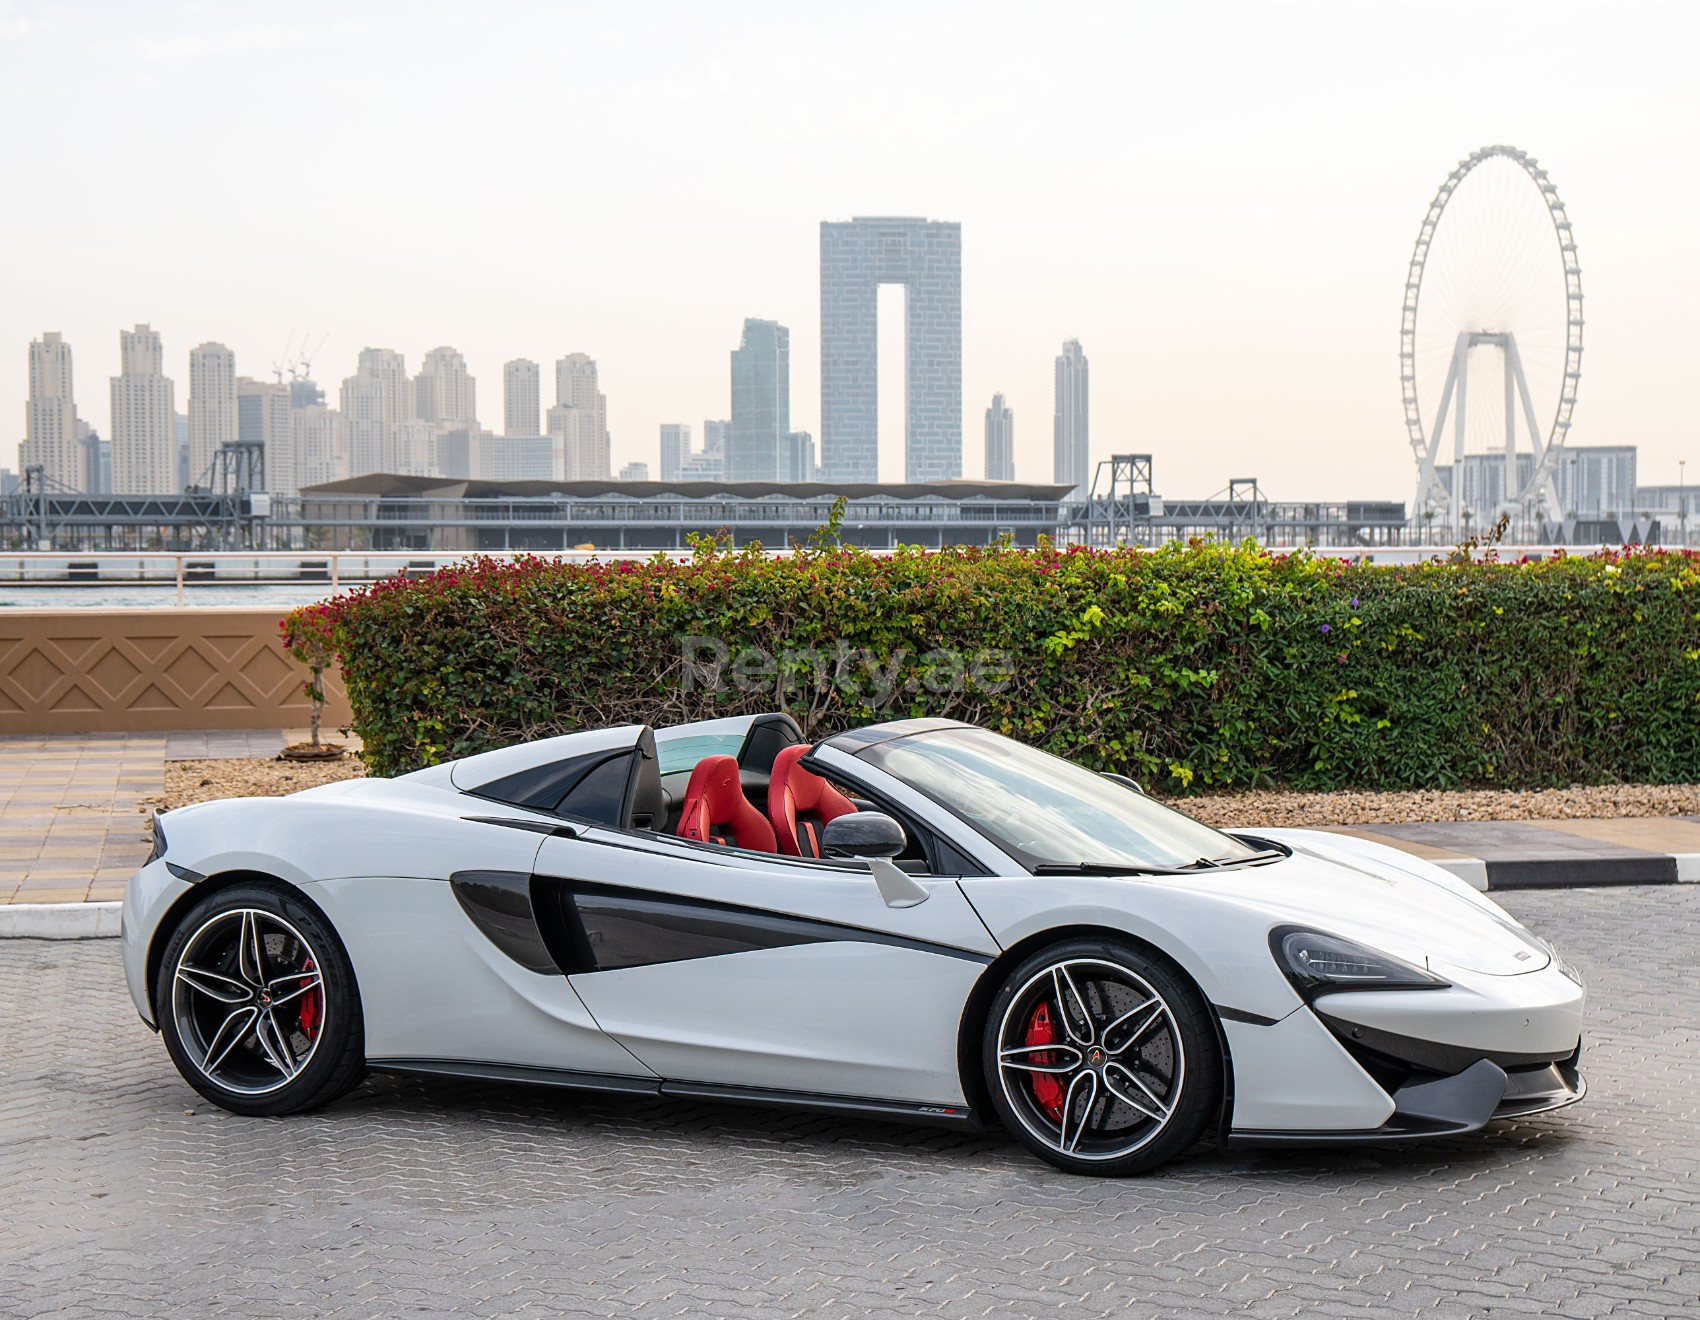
column 1429, row 1105
column 148, row 896
column 1391, row 1065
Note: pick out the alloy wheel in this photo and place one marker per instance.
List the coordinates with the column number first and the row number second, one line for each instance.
column 1090, row 1059
column 248, row 1001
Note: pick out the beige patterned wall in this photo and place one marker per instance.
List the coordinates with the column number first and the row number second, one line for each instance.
column 131, row 671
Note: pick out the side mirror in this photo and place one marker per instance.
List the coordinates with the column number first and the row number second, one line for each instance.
column 1124, row 781
column 862, row 834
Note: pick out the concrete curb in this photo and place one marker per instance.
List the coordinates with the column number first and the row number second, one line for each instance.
column 59, row 921
column 1573, row 872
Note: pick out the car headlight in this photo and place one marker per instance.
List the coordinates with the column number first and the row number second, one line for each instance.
column 1565, row 967
column 1317, row 963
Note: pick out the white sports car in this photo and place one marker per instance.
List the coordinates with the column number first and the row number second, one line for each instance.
column 919, row 919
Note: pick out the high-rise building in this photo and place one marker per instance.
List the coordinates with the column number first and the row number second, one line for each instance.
column 708, row 463
column 856, row 257
column 144, row 431
column 1594, row 481
column 579, row 420
column 800, row 457
column 376, row 400
column 410, row 448
column 212, row 406
column 444, row 392
column 1072, row 450
column 757, row 447
column 522, row 398
column 50, row 419
column 1000, row 441
column 458, row 452
column 97, row 458
column 321, row 451
column 263, row 417
column 635, row 472
column 520, row 458
column 675, row 449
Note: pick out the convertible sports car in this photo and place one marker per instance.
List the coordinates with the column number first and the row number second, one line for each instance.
column 919, row 919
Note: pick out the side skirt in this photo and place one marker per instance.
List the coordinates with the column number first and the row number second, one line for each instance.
column 902, row 1111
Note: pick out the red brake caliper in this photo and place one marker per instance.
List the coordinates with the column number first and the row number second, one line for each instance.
column 312, row 1006
column 1047, row 1089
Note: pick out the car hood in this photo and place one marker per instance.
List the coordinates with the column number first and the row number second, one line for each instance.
column 1428, row 920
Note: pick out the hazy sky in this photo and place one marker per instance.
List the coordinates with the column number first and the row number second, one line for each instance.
column 1218, row 200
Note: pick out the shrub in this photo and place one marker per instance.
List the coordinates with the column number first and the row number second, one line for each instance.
column 1189, row 667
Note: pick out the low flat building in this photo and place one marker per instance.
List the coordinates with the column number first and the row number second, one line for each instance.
column 384, row 512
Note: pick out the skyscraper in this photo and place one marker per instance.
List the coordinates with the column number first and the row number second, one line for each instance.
column 757, row 448
column 321, row 450
column 1072, row 452
column 263, row 418
column 376, row 400
column 708, row 463
column 50, row 417
column 1000, row 441
column 144, row 433
column 444, row 392
column 212, row 406
column 800, row 457
column 522, row 398
column 579, row 420
column 675, row 448
column 856, row 257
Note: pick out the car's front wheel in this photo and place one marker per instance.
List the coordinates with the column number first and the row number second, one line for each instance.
column 257, row 1003
column 1101, row 1058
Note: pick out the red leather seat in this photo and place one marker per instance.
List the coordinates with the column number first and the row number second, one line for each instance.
column 799, row 803
column 716, row 810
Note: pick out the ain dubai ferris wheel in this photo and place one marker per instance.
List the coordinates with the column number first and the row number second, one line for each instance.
column 1490, row 344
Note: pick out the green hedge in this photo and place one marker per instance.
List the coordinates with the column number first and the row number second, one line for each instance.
column 1194, row 666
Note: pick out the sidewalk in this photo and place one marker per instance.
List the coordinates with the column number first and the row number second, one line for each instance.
column 1548, row 854
column 72, row 829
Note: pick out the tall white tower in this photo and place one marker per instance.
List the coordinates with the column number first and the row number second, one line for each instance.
column 144, row 440
column 579, row 420
column 1000, row 441
column 212, row 405
column 1072, row 453
column 50, row 416
column 376, row 400
column 444, row 392
column 522, row 398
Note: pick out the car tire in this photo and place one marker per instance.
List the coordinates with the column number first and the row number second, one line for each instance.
column 1102, row 1058
column 258, row 1005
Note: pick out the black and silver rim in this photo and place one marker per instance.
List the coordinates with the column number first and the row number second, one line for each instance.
column 1090, row 1059
column 247, row 996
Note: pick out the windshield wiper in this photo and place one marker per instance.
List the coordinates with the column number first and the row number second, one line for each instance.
column 1108, row 868
column 1251, row 859
column 1135, row 868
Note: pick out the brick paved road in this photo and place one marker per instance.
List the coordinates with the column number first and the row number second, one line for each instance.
column 444, row 1197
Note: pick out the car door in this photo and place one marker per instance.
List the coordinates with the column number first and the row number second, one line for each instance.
column 743, row 971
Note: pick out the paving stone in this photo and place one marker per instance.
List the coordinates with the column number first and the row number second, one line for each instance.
column 440, row 1197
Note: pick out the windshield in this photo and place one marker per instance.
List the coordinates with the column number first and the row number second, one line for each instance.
column 683, row 753
column 1044, row 810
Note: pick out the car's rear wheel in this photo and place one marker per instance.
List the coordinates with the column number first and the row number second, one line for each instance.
column 1101, row 1058
column 257, row 1003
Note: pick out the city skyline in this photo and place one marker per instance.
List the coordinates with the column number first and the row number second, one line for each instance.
column 1232, row 249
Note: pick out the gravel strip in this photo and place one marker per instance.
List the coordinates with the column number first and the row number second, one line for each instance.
column 1355, row 807
column 206, row 781
column 203, row 781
